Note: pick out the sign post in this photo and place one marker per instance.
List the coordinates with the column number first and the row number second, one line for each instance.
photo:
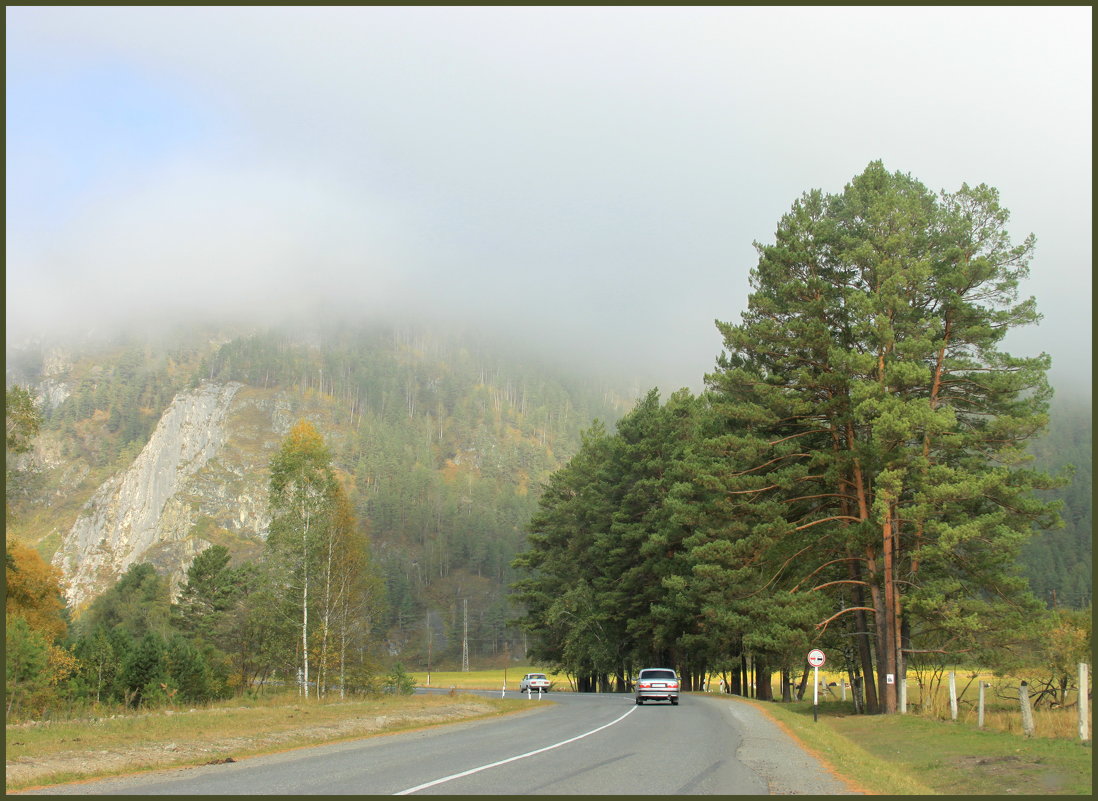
column 816, row 658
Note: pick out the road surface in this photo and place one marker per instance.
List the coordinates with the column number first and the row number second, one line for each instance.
column 566, row 744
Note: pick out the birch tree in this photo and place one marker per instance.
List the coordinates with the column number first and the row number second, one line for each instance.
column 301, row 491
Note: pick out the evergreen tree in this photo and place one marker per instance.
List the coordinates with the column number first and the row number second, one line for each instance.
column 140, row 603
column 879, row 412
column 210, row 591
column 145, row 671
column 564, row 630
column 603, row 543
column 26, row 677
column 258, row 637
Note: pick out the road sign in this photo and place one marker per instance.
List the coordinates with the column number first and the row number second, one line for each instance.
column 816, row 657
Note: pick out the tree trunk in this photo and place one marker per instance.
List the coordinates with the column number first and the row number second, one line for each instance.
column 888, row 633
column 803, row 682
column 305, row 634
column 763, row 690
column 861, row 637
column 855, row 697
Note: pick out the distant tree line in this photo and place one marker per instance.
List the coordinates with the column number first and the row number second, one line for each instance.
column 854, row 476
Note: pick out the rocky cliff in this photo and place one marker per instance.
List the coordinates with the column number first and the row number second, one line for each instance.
column 191, row 484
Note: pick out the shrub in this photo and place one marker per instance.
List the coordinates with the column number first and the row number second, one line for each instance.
column 398, row 682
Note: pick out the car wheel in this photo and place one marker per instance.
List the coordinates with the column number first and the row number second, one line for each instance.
column 674, row 702
column 639, row 702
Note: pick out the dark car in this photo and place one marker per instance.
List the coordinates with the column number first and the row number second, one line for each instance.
column 657, row 684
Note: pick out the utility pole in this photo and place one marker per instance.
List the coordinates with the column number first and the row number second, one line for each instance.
column 465, row 638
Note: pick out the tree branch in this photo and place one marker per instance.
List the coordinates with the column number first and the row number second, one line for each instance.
column 826, row 519
column 825, row 623
column 801, row 434
column 843, row 581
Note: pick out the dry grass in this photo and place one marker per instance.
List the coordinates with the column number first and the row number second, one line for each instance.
column 1002, row 712
column 57, row 751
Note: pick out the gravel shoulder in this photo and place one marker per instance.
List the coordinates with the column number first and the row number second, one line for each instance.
column 776, row 755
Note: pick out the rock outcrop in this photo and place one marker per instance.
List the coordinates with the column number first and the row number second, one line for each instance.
column 147, row 513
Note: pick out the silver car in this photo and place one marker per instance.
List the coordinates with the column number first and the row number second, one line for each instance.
column 656, row 684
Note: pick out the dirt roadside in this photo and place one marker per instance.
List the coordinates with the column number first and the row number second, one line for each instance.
column 30, row 772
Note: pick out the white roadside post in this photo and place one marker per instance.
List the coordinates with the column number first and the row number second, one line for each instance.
column 1084, row 702
column 953, row 695
column 980, row 714
column 816, row 658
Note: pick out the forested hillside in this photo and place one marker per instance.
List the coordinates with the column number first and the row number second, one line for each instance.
column 444, row 440
column 1058, row 563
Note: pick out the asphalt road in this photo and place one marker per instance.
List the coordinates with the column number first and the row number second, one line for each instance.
column 567, row 744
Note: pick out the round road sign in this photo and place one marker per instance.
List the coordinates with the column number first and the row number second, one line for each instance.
column 816, row 657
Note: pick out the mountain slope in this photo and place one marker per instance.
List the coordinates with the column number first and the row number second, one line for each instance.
column 151, row 451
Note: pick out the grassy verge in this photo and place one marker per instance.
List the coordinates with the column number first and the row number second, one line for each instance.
column 62, row 751
column 910, row 755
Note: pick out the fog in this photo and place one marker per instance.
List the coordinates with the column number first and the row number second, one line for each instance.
column 588, row 179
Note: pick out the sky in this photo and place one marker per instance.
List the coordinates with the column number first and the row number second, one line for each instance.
column 591, row 180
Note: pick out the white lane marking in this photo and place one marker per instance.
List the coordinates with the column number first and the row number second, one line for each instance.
column 445, row 779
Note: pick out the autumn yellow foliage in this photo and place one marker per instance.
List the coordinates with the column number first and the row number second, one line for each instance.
column 34, row 591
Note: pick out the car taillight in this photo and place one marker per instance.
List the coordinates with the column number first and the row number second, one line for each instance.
column 645, row 684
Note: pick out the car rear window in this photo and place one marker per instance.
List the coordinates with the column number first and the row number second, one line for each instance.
column 659, row 674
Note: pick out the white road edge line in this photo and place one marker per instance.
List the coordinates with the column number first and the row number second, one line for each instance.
column 445, row 779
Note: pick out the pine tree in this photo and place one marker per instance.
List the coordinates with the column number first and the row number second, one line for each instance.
column 208, row 593
column 866, row 394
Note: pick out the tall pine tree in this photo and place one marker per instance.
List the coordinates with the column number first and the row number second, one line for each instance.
column 873, row 424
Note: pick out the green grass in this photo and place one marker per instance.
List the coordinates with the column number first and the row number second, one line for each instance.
column 910, row 755
column 487, row 679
